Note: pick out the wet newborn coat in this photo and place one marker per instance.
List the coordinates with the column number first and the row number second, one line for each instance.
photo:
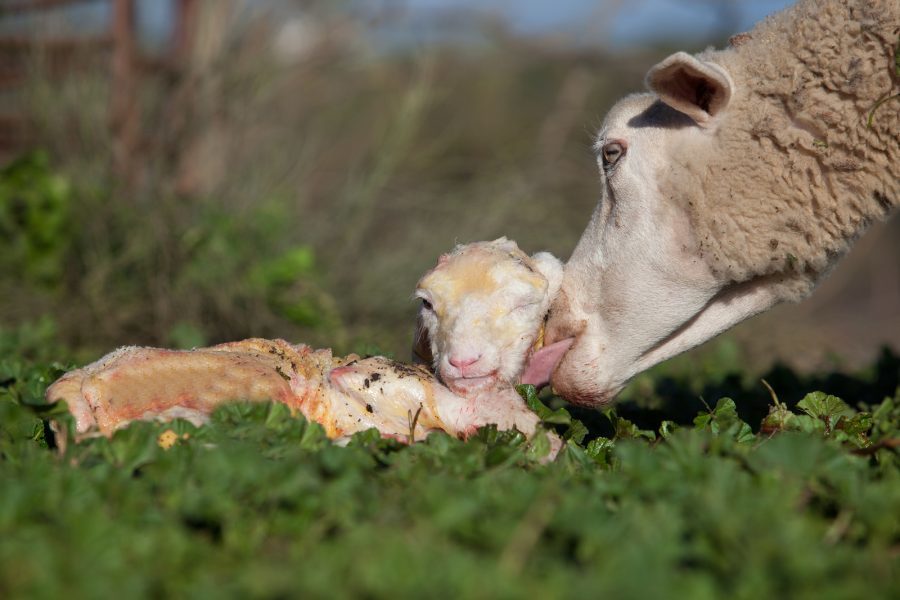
column 344, row 395
column 490, row 297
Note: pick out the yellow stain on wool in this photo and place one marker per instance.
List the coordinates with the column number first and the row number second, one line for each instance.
column 465, row 278
column 539, row 342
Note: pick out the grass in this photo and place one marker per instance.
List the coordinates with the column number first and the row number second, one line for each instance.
column 260, row 504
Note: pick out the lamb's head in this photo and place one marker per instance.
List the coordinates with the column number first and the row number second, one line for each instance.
column 483, row 308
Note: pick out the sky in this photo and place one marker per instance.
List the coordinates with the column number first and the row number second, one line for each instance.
column 634, row 21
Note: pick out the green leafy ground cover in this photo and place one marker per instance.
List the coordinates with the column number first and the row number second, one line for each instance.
column 260, row 504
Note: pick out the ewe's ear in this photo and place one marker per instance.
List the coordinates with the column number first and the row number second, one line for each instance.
column 421, row 348
column 701, row 90
column 552, row 268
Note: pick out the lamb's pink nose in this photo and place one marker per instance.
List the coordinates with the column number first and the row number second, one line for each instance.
column 462, row 362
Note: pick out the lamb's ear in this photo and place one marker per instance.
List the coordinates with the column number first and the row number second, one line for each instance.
column 505, row 244
column 421, row 348
column 552, row 268
column 699, row 89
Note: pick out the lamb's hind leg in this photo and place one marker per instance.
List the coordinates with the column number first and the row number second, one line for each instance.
column 69, row 388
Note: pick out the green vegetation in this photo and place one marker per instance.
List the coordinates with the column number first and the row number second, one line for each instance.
column 60, row 241
column 260, row 504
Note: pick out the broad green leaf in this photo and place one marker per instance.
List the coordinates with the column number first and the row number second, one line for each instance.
column 600, row 450
column 575, row 429
column 625, row 429
column 667, row 429
column 539, row 447
column 823, row 406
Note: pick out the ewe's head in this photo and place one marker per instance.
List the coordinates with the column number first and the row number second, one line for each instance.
column 483, row 306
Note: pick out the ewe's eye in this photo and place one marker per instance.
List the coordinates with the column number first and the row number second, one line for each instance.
column 612, row 152
column 427, row 305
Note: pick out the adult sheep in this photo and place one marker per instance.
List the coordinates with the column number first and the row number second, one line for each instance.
column 735, row 184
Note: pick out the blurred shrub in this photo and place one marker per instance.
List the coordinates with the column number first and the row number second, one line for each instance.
column 35, row 340
column 35, row 222
column 300, row 194
column 301, row 197
column 78, row 268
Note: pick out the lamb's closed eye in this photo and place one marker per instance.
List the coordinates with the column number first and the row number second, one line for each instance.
column 425, row 302
column 525, row 306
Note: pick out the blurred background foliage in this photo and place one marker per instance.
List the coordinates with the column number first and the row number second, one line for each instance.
column 290, row 168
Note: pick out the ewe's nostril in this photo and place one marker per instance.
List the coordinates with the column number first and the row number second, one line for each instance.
column 461, row 362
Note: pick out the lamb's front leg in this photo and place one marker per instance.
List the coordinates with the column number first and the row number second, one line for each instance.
column 501, row 407
column 507, row 408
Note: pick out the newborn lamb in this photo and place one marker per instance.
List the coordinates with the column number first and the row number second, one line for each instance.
column 343, row 395
column 482, row 315
column 487, row 296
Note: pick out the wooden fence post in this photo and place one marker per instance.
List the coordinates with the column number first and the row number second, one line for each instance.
column 124, row 108
column 185, row 26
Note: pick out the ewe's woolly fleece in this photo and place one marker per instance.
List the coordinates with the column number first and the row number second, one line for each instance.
column 794, row 174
